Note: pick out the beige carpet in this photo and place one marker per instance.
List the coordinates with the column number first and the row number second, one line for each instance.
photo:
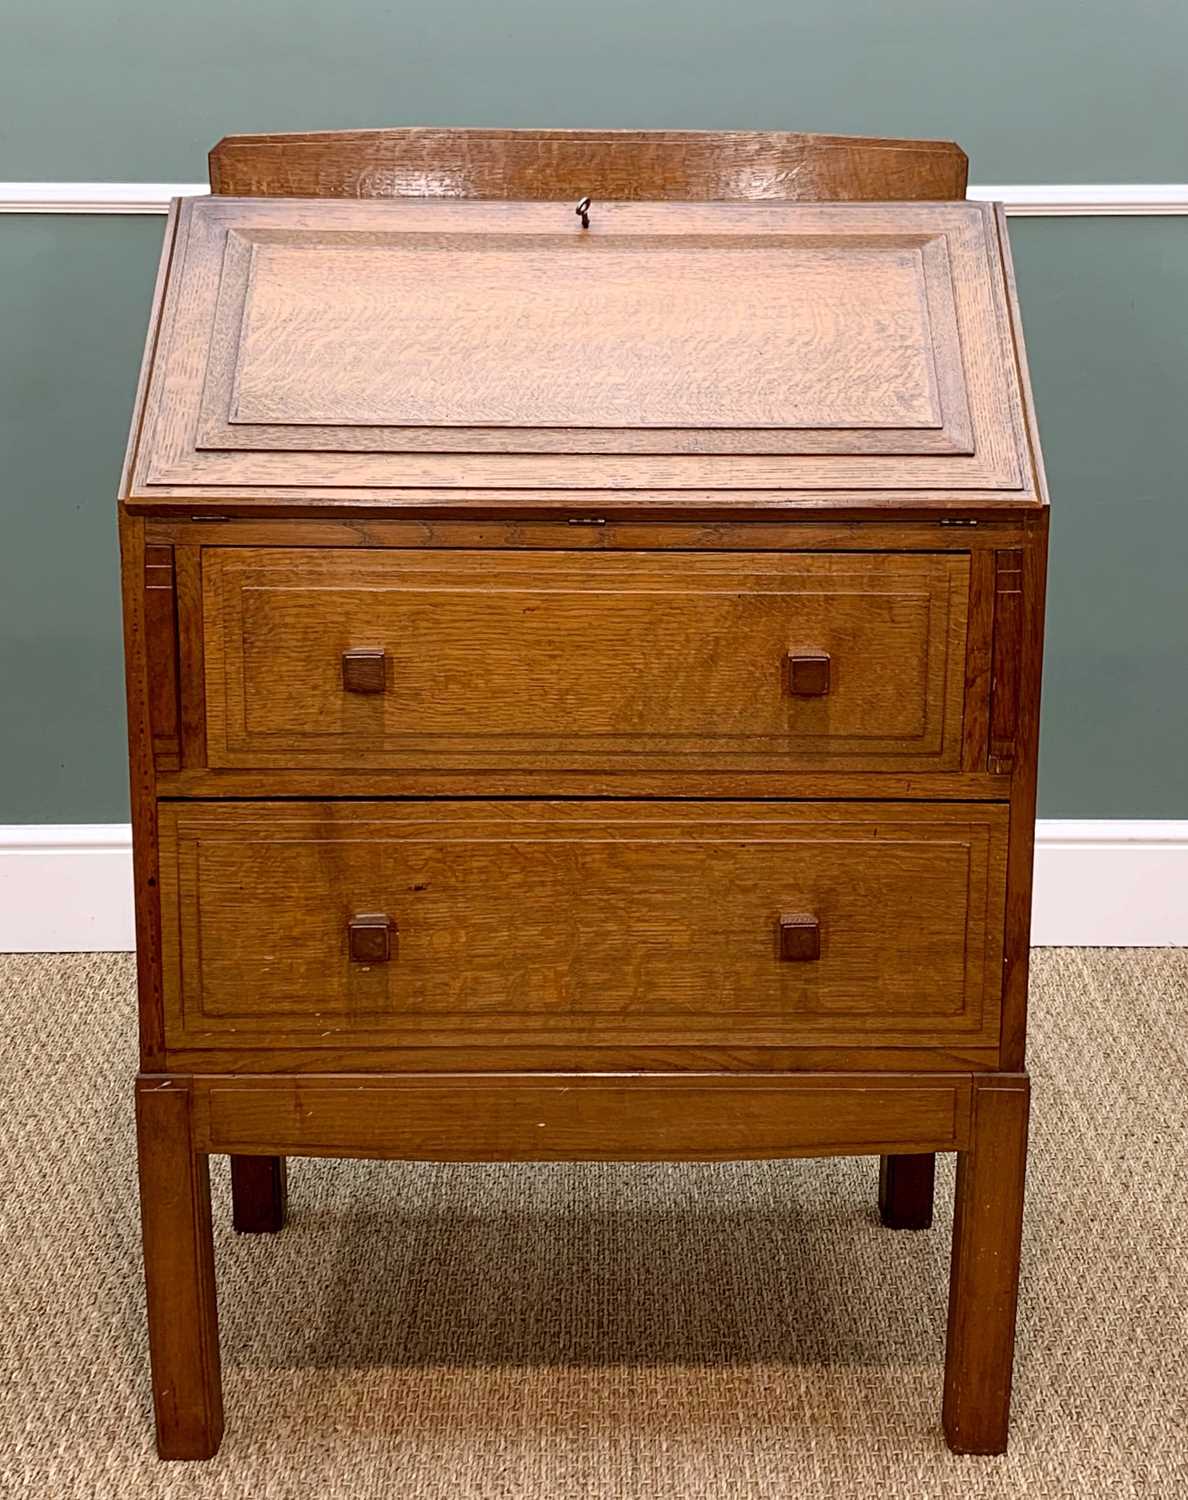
column 556, row 1332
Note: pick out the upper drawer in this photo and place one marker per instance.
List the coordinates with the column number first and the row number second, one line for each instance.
column 360, row 348
column 462, row 660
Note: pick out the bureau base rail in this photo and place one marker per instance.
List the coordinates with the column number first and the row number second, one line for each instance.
column 576, row 1117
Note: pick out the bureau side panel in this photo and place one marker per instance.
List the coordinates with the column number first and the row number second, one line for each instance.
column 1021, row 865
column 143, row 789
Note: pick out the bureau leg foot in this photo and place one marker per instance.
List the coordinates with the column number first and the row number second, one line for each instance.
column 984, row 1281
column 259, row 1191
column 179, row 1274
column 905, row 1191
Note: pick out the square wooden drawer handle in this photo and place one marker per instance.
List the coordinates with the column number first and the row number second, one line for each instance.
column 363, row 669
column 370, row 937
column 800, row 937
column 808, row 674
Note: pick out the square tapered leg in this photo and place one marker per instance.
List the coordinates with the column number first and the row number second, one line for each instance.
column 179, row 1274
column 905, row 1191
column 259, row 1194
column 984, row 1281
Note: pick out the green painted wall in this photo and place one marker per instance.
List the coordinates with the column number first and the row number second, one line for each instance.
column 73, row 312
column 1036, row 90
column 1105, row 304
column 1105, row 312
column 1063, row 91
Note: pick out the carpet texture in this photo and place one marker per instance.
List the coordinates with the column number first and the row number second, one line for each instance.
column 736, row 1331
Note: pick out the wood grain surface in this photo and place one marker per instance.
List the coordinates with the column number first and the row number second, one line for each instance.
column 508, row 661
column 712, row 537
column 984, row 1281
column 160, row 624
column 139, row 666
column 259, row 1194
column 633, row 345
column 571, row 1117
column 720, row 341
column 905, row 1191
column 606, row 165
column 807, row 532
column 179, row 1273
column 583, row 924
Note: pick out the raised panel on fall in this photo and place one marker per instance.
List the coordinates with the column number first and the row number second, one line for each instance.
column 404, row 346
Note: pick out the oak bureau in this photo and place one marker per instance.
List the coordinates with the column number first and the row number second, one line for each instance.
column 584, row 600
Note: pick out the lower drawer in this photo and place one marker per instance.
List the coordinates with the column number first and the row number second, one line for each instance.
column 581, row 924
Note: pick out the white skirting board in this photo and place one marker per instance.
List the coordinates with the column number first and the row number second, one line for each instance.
column 67, row 888
column 1110, row 882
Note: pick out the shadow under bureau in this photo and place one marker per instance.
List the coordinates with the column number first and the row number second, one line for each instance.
column 583, row 693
